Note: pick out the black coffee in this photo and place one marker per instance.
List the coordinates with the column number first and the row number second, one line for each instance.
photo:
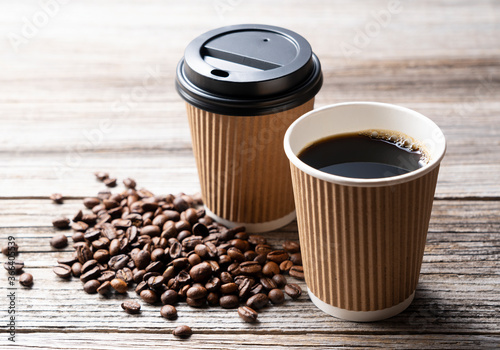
column 365, row 155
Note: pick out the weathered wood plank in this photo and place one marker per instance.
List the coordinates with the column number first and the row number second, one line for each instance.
column 164, row 340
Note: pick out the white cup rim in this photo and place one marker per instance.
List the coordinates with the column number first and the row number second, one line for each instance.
column 434, row 161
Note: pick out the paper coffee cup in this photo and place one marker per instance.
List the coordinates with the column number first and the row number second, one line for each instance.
column 244, row 85
column 363, row 240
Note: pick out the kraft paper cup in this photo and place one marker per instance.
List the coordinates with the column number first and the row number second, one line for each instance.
column 363, row 240
column 244, row 174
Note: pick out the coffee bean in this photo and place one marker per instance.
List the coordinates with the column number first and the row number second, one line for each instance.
column 155, row 281
column 276, row 296
column 285, row 266
column 26, row 279
column 258, row 301
column 93, row 273
column 228, row 288
column 296, row 259
column 56, row 198
column 182, row 331
column 169, row 297
column 10, row 249
column 180, row 204
column 119, row 285
column 89, row 265
column 106, row 276
column 291, row 247
column 278, row 256
column 91, row 286
column 250, row 268
column 129, row 183
column 131, row 307
column 196, row 302
column 101, row 176
column 110, row 182
column 229, row 301
column 247, row 314
column 61, row 222
column 59, row 241
column 297, row 272
column 268, row 283
column 79, row 226
column 104, row 288
column 280, row 280
column 169, row 312
column 78, row 237
column 213, row 299
column 293, row 290
column 84, row 253
column 118, row 262
column 197, row 292
column 270, row 269
column 63, row 271
column 76, row 269
column 149, row 296
column 200, row 272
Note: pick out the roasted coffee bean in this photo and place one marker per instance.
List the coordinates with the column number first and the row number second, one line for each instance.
column 104, row 288
column 297, row 272
column 155, row 281
column 139, row 276
column 142, row 259
column 196, row 292
column 235, row 254
column 278, row 256
column 256, row 289
column 196, row 302
column 280, row 280
column 250, row 255
column 245, row 287
column 131, row 307
column 291, row 247
column 226, row 277
column 263, row 249
column 92, row 274
column 268, row 283
column 59, row 241
column 151, row 231
column 199, row 229
column 261, row 259
column 213, row 284
column 276, row 296
column 182, row 331
column 101, row 176
column 118, row 262
column 285, row 266
column 57, row 198
column 229, row 288
column 169, row 312
column 121, row 223
column 129, row 183
column 156, row 266
column 89, row 265
column 149, row 296
column 83, row 253
column 61, row 222
column 230, row 301
column 76, row 269
column 169, row 297
column 110, row 182
column 213, row 299
column 141, row 286
column 256, row 240
column 125, row 274
column 293, row 290
column 270, row 269
column 296, row 259
column 175, row 251
column 247, row 314
column 119, row 285
column 79, row 226
column 63, row 271
column 26, row 279
column 258, row 301
column 106, row 276
column 102, row 256
column 78, row 237
column 251, row 268
column 201, row 272
column 180, row 204
column 91, row 286
column 10, row 249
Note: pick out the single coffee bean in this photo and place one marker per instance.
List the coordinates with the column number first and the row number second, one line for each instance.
column 280, row 280
column 169, row 297
column 79, row 226
column 131, row 307
column 247, row 314
column 56, row 198
column 91, row 286
column 270, row 269
column 278, row 256
column 276, row 296
column 285, row 266
column 169, row 312
column 89, row 265
column 250, row 268
column 228, row 288
column 106, row 276
column 149, row 296
column 118, row 262
column 129, row 183
column 196, row 302
column 63, row 271
column 155, row 281
column 182, row 331
column 119, row 285
column 76, row 269
column 229, row 301
column 84, row 253
column 101, row 176
column 92, row 274
column 104, row 288
column 196, row 292
column 78, row 216
column 78, row 237
column 110, row 182
column 26, row 279
column 296, row 259
column 268, row 283
column 293, row 290
column 213, row 299
column 10, row 249
column 258, row 301
column 291, row 247
column 297, row 272
column 201, row 272
column 61, row 222
column 59, row 241
column 91, row 202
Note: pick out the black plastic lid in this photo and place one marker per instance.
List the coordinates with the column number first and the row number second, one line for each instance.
column 248, row 69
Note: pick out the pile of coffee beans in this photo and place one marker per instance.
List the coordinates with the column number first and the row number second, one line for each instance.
column 169, row 251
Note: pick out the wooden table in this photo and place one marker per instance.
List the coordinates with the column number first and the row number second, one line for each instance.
column 89, row 86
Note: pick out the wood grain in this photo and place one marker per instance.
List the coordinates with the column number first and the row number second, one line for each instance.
column 93, row 89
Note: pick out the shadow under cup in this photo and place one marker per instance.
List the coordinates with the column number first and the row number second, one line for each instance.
column 363, row 240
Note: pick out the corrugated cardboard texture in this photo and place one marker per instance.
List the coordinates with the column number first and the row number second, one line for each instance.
column 362, row 248
column 243, row 169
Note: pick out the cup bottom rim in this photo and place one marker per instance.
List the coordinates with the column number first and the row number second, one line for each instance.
column 360, row 316
column 255, row 227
